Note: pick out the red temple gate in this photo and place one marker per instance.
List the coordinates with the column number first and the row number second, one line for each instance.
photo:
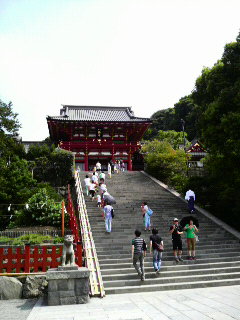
column 99, row 133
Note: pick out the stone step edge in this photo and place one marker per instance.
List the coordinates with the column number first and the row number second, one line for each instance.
column 181, row 266
column 196, row 284
column 199, row 253
column 171, row 271
column 175, row 265
column 182, row 277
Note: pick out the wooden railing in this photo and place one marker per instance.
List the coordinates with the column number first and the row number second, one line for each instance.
column 91, row 259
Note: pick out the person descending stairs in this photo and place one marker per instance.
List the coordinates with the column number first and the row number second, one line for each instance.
column 218, row 252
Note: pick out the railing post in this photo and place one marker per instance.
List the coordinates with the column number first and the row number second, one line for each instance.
column 63, row 206
column 79, row 253
column 27, row 258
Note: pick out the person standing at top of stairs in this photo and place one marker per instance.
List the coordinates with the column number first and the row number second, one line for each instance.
column 190, row 197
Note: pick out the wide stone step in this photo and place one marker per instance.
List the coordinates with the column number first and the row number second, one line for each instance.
column 173, row 286
column 171, row 261
column 172, row 279
column 218, row 258
column 173, row 267
column 166, row 274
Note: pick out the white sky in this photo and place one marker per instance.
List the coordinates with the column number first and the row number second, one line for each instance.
column 141, row 53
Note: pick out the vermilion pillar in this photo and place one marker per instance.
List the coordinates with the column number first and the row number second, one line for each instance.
column 129, row 162
column 113, row 154
column 86, row 161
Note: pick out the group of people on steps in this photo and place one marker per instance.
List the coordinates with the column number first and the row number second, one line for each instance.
column 96, row 184
column 95, row 187
column 139, row 247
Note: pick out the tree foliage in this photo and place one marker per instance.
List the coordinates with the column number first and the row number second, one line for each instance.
column 170, row 119
column 165, row 163
column 42, row 210
column 173, row 137
column 51, row 164
column 217, row 95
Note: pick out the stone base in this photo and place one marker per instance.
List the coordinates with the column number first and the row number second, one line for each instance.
column 67, row 268
column 68, row 285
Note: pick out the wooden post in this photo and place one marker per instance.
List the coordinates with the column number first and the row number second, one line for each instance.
column 129, row 162
column 27, row 258
column 63, row 206
column 79, row 253
column 86, row 161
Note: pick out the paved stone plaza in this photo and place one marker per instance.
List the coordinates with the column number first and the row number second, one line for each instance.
column 18, row 309
column 220, row 303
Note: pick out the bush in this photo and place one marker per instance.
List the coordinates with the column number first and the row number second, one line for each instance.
column 42, row 210
column 32, row 239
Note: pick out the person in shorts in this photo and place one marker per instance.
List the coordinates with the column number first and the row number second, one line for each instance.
column 99, row 200
column 191, row 230
column 176, row 232
column 92, row 188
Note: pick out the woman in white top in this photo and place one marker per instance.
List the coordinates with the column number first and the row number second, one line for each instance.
column 146, row 217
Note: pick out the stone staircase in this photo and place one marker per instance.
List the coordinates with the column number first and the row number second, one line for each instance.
column 217, row 252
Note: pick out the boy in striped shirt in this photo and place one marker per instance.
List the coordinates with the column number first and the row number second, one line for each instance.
column 139, row 249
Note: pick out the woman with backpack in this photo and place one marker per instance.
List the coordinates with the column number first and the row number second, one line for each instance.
column 146, row 212
column 156, row 246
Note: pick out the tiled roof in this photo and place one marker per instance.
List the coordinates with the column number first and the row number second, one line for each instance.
column 92, row 113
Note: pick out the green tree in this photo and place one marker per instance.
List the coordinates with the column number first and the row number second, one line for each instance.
column 173, row 137
column 165, row 163
column 42, row 210
column 217, row 95
column 9, row 127
column 51, row 164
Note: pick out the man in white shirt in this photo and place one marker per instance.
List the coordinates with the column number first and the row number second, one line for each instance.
column 87, row 182
column 190, row 197
column 98, row 166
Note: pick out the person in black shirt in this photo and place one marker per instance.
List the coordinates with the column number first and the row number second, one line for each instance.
column 139, row 249
column 155, row 242
column 176, row 231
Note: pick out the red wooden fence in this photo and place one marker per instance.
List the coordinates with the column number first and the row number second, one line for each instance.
column 73, row 223
column 33, row 258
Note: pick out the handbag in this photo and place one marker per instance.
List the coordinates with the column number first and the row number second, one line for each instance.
column 112, row 213
column 160, row 247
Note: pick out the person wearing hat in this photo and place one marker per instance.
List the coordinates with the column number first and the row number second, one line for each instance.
column 176, row 232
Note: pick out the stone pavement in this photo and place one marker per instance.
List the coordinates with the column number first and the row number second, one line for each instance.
column 218, row 303
column 18, row 309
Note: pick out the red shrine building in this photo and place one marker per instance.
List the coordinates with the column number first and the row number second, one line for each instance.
column 99, row 134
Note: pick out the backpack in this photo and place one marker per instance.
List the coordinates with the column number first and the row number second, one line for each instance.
column 150, row 212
